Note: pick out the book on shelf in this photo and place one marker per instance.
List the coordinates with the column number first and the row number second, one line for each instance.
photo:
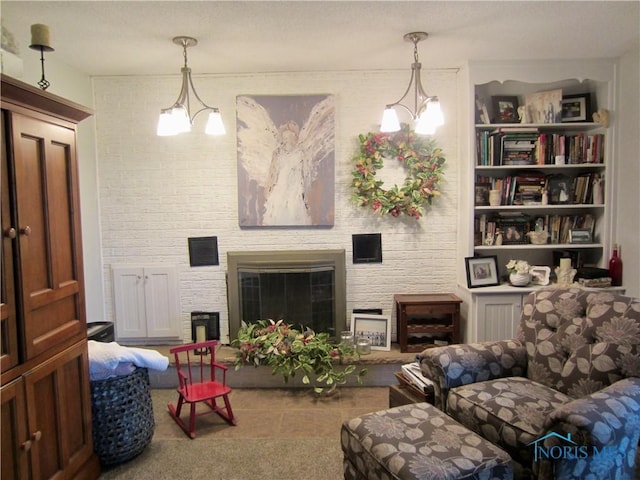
column 558, row 226
column 495, row 147
column 527, row 188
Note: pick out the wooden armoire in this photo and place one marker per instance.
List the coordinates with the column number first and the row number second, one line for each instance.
column 46, row 403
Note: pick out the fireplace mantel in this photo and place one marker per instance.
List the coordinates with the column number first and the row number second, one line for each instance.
column 286, row 261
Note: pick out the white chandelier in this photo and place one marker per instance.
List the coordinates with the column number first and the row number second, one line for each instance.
column 177, row 118
column 426, row 113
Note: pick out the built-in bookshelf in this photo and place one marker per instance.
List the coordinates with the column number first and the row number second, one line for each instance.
column 561, row 192
column 527, row 171
column 540, row 177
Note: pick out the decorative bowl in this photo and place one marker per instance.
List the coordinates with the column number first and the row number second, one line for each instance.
column 538, row 238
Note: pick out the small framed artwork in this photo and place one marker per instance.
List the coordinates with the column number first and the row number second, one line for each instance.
column 576, row 108
column 481, row 271
column 374, row 327
column 505, row 109
column 580, row 235
column 513, row 233
column 540, row 275
column 481, row 195
column 544, row 107
column 559, row 188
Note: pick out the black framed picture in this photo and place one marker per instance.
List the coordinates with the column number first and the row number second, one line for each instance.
column 559, row 189
column 513, row 233
column 576, row 108
column 481, row 194
column 481, row 271
column 505, row 109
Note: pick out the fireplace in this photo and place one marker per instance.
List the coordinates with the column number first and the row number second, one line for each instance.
column 303, row 287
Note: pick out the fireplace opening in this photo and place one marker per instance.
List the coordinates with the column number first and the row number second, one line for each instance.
column 302, row 287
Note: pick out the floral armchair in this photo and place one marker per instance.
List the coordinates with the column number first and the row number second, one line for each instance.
column 563, row 397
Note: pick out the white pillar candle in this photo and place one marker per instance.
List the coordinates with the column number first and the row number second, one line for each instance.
column 565, row 264
column 40, row 35
column 201, row 334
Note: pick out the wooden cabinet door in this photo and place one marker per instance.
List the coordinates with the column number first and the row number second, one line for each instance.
column 59, row 414
column 15, row 440
column 9, row 355
column 49, row 238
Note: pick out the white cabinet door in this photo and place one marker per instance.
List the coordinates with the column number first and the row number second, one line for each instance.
column 161, row 302
column 146, row 302
column 497, row 316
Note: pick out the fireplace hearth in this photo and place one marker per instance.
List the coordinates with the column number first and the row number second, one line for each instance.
column 303, row 287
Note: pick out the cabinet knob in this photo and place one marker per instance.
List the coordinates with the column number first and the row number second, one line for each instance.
column 26, row 231
column 26, row 446
column 10, row 232
column 36, row 436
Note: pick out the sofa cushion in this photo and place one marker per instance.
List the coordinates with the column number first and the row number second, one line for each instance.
column 510, row 412
column 580, row 341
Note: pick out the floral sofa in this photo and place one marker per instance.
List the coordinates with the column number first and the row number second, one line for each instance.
column 563, row 397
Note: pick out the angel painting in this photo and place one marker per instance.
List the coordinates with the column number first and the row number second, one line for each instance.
column 286, row 158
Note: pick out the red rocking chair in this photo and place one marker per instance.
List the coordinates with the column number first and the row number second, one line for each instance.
column 197, row 376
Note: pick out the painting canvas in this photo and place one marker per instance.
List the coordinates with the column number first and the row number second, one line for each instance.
column 286, row 160
column 544, row 107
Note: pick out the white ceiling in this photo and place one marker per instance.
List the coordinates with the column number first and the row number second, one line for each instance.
column 134, row 37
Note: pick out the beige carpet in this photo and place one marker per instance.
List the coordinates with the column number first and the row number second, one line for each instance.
column 280, row 433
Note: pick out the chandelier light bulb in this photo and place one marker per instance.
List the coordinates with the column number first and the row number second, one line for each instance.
column 214, row 124
column 165, row 124
column 390, row 122
column 181, row 120
column 434, row 112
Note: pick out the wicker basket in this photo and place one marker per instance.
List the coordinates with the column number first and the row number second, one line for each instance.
column 123, row 421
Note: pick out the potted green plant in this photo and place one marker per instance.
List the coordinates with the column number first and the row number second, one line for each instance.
column 287, row 350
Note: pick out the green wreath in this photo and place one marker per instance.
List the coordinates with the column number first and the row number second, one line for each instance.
column 422, row 159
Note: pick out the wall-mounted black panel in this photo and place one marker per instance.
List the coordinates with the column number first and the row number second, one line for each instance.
column 367, row 248
column 203, row 251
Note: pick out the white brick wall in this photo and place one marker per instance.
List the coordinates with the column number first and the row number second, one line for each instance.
column 155, row 192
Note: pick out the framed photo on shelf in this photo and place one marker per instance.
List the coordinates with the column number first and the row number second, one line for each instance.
column 559, row 188
column 505, row 109
column 481, row 271
column 540, row 275
column 580, row 235
column 576, row 108
column 481, row 194
column 374, row 327
column 513, row 233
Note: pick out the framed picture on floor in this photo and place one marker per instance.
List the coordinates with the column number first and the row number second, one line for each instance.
column 376, row 328
column 481, row 271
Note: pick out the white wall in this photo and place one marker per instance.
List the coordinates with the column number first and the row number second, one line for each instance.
column 628, row 175
column 155, row 192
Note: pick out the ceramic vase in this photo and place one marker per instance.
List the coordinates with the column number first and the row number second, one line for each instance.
column 519, row 279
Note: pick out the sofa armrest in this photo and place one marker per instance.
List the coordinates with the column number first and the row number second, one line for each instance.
column 605, row 426
column 456, row 365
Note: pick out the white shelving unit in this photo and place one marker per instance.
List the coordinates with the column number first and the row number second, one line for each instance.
column 492, row 313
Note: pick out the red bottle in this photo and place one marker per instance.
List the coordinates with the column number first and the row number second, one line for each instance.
column 615, row 267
